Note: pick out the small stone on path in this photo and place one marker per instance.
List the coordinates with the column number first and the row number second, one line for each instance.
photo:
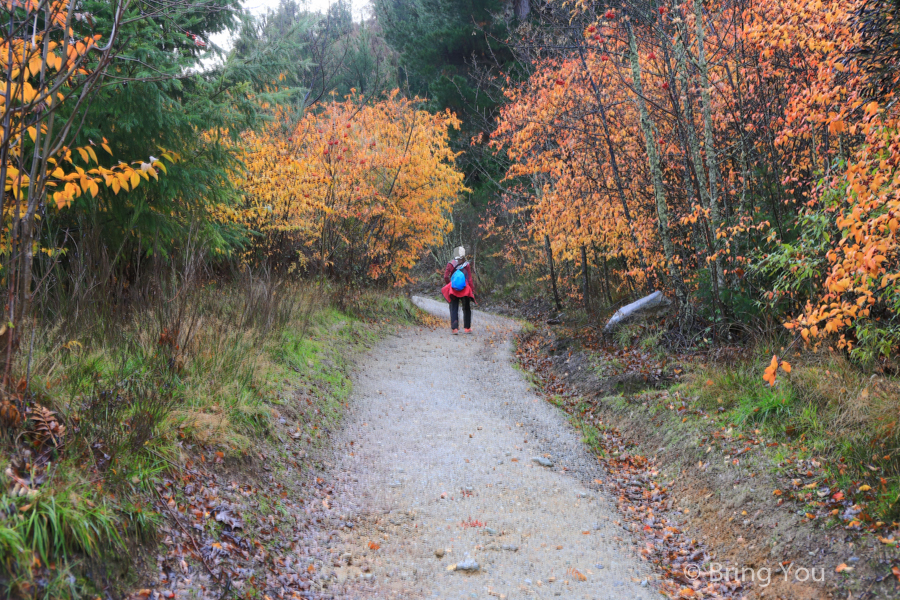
column 544, row 462
column 467, row 565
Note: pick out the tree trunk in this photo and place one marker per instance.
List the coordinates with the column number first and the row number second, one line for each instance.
column 552, row 272
column 613, row 161
column 696, row 160
column 649, row 131
column 606, row 277
column 709, row 137
column 522, row 8
column 585, row 275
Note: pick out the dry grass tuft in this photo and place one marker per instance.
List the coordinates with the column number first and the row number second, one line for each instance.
column 204, row 427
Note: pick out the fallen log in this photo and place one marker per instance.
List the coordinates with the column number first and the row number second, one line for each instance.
column 653, row 305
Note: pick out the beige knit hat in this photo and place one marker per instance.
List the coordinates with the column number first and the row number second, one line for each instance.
column 460, row 252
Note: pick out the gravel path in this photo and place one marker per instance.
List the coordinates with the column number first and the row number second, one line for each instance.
column 436, row 467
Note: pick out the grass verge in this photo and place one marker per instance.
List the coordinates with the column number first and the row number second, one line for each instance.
column 825, row 411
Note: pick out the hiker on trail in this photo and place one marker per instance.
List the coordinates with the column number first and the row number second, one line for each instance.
column 459, row 287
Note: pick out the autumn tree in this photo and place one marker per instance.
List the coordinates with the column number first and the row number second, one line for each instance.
column 358, row 189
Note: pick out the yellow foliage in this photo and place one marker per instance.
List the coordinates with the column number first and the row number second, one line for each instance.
column 353, row 188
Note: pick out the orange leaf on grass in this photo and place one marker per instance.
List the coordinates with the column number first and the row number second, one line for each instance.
column 769, row 374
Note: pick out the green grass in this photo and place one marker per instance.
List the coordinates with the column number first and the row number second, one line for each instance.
column 763, row 407
column 64, row 526
column 44, row 539
column 826, row 408
column 590, row 436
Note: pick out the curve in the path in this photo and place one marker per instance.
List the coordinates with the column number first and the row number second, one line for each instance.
column 444, row 433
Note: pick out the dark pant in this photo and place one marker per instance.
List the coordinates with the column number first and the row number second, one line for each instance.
column 454, row 312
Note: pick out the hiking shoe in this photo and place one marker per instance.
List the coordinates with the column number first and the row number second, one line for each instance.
column 469, row 330
column 455, row 331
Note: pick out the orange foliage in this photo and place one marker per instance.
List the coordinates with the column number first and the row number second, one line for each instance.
column 783, row 127
column 550, row 130
column 830, row 102
column 354, row 187
column 47, row 68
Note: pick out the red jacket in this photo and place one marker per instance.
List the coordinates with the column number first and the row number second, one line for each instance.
column 448, row 291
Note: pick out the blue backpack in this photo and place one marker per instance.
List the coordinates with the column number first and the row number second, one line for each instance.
column 458, row 280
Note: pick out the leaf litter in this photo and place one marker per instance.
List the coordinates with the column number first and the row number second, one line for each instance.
column 257, row 539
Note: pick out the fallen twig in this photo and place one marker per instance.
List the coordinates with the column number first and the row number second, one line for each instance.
column 190, row 537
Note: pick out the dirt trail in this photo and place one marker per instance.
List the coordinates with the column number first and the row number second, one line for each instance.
column 437, row 455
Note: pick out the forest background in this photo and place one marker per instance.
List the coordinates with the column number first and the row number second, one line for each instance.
column 165, row 198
